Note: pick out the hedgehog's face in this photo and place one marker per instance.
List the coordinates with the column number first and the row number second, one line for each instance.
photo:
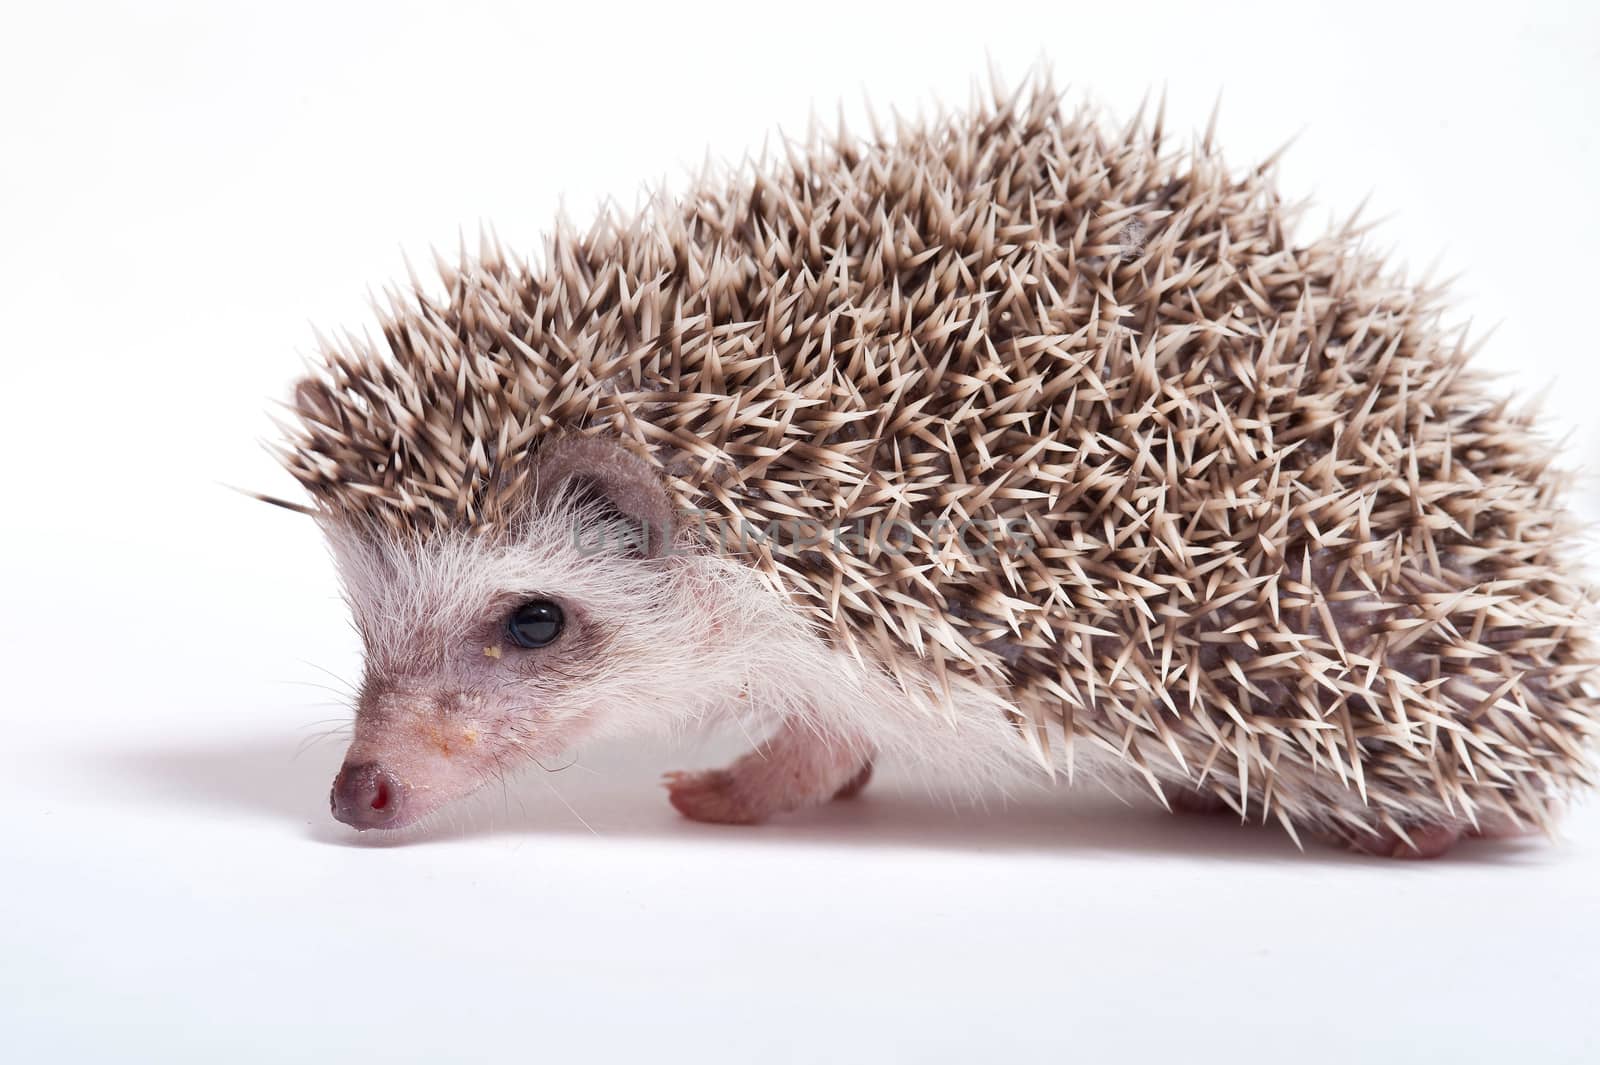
column 484, row 653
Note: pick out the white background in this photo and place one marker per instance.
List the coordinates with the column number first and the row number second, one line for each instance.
column 184, row 193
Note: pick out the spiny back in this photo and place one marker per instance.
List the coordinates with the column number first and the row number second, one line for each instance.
column 1247, row 510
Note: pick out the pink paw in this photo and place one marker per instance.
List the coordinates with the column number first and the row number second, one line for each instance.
column 1427, row 841
column 712, row 795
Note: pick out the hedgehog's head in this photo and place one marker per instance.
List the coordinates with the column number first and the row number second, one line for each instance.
column 488, row 650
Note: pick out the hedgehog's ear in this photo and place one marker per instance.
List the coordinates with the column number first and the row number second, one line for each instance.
column 604, row 470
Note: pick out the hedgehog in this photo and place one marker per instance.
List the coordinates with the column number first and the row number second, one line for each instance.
column 1005, row 445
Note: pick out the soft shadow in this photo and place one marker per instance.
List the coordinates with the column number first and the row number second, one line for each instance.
column 280, row 778
column 615, row 795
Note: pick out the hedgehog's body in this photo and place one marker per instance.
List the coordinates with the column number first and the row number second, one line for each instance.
column 1002, row 435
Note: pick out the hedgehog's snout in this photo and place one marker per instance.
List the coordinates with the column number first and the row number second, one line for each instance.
column 367, row 796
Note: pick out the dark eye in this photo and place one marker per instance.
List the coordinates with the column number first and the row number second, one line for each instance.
column 535, row 624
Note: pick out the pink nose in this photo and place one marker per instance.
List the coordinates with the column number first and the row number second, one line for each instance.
column 367, row 796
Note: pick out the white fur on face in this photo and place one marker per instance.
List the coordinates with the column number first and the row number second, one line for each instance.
column 449, row 701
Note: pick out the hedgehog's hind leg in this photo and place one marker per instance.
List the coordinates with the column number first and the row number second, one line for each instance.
column 798, row 767
column 1427, row 839
column 1421, row 840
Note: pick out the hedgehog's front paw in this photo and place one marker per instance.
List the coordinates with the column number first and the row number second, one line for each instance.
column 714, row 795
column 798, row 767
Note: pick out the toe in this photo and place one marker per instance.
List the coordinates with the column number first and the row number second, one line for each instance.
column 710, row 796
